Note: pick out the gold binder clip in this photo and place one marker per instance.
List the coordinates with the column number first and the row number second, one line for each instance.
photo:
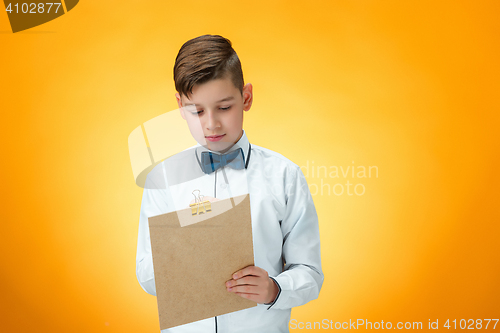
column 199, row 206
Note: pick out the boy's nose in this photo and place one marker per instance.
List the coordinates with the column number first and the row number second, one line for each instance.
column 212, row 121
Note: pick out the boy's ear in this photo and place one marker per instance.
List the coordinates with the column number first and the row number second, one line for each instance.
column 247, row 96
column 179, row 103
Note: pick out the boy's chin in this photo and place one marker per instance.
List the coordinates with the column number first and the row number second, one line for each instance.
column 220, row 147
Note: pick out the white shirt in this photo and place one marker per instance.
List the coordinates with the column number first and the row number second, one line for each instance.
column 284, row 229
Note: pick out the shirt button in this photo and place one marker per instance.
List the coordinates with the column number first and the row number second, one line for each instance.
column 223, row 185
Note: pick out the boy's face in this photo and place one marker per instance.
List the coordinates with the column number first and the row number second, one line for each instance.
column 214, row 113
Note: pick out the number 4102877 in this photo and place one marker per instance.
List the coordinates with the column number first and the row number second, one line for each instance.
column 33, row 8
column 470, row 324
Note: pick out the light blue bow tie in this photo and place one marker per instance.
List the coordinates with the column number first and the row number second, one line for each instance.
column 213, row 161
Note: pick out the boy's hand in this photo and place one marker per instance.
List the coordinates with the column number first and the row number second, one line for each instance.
column 253, row 283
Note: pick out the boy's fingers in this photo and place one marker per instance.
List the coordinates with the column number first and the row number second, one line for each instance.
column 247, row 289
column 243, row 272
column 251, row 280
column 252, row 297
column 250, row 270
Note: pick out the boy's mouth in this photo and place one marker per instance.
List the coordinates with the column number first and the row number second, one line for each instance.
column 214, row 138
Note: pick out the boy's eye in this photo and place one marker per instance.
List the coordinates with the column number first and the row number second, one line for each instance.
column 197, row 112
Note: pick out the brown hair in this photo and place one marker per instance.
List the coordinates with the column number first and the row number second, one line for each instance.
column 206, row 58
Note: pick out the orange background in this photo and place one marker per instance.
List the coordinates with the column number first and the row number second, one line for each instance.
column 410, row 87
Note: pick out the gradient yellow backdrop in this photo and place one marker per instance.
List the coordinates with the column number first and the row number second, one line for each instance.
column 409, row 87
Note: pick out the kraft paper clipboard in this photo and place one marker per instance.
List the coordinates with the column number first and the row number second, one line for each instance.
column 193, row 262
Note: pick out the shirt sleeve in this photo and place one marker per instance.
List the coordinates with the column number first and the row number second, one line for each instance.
column 154, row 202
column 302, row 278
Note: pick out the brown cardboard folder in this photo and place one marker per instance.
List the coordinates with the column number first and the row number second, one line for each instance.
column 193, row 262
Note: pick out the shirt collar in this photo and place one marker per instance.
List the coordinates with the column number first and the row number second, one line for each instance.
column 242, row 143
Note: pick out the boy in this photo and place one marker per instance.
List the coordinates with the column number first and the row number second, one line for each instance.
column 212, row 96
